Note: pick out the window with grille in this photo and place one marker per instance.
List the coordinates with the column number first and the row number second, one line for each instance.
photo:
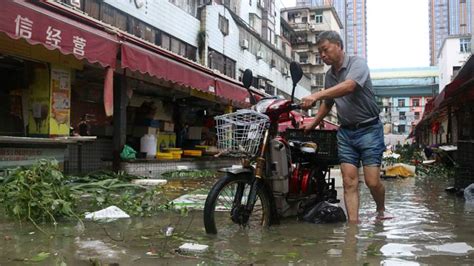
column 465, row 45
column 223, row 25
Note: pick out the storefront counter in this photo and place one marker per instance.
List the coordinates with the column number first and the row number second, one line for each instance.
column 23, row 151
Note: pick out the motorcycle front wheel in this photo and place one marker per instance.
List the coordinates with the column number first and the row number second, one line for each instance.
column 225, row 210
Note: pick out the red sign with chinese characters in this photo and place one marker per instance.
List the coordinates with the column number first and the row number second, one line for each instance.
column 19, row 19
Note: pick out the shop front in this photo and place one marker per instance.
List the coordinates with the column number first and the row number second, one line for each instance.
column 79, row 92
column 40, row 54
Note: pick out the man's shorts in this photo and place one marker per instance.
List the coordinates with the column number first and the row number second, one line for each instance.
column 364, row 144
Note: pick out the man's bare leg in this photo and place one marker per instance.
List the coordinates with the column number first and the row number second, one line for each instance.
column 377, row 189
column 350, row 178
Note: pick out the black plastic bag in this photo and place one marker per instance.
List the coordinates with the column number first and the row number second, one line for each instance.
column 324, row 212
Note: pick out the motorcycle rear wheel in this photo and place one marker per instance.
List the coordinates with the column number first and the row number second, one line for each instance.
column 220, row 212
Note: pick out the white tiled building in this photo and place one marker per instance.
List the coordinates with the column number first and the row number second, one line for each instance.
column 228, row 36
column 454, row 52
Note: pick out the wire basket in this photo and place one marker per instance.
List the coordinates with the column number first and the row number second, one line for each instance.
column 239, row 134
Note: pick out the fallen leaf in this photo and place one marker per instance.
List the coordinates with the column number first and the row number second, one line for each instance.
column 40, row 256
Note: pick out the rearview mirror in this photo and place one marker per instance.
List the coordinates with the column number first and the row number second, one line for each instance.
column 296, row 75
column 247, row 78
column 247, row 81
column 296, row 72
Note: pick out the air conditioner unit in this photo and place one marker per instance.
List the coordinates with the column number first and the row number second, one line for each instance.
column 284, row 71
column 76, row 3
column 312, row 27
column 259, row 54
column 261, row 3
column 244, row 44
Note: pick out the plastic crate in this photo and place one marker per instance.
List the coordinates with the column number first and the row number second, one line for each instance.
column 465, row 152
column 326, row 140
column 463, row 176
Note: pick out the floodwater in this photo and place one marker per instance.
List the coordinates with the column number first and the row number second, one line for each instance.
column 429, row 227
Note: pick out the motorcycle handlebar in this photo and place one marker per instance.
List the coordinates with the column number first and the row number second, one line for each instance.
column 295, row 106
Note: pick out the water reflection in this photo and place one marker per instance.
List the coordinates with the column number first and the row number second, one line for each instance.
column 429, row 227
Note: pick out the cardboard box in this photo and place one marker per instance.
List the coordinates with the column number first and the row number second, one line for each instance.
column 168, row 127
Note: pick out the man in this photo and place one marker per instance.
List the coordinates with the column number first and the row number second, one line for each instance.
column 360, row 136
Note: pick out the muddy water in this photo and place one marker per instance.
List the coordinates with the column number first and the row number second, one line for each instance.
column 429, row 227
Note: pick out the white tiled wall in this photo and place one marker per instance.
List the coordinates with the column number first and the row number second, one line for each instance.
column 164, row 16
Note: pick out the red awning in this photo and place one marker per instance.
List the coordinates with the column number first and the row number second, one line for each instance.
column 439, row 99
column 232, row 91
column 139, row 59
column 19, row 19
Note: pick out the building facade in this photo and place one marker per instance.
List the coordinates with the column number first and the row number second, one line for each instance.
column 227, row 36
column 402, row 95
column 454, row 52
column 353, row 14
column 307, row 22
column 448, row 18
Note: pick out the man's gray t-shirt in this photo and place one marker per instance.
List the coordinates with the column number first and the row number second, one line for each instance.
column 358, row 106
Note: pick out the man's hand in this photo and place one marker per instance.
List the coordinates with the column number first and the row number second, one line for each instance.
column 307, row 127
column 309, row 101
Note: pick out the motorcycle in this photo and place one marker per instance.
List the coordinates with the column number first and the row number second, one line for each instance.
column 280, row 173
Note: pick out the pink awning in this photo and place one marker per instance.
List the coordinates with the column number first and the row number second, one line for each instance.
column 23, row 20
column 143, row 60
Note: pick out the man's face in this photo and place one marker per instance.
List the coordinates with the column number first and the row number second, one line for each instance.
column 330, row 52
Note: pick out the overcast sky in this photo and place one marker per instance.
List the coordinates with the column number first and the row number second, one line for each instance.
column 397, row 33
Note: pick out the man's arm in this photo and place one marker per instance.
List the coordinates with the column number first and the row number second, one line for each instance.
column 344, row 88
column 322, row 112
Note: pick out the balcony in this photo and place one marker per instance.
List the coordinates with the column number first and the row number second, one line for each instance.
column 300, row 26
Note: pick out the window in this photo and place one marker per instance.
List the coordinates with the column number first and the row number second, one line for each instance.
column 319, row 19
column 401, row 102
column 416, row 102
column 269, row 89
column 165, row 41
column 318, row 59
column 319, row 79
column 303, row 58
column 230, row 67
column 223, row 64
column 223, row 25
column 465, row 45
column 401, row 128
column 417, row 115
column 402, row 116
column 175, row 45
column 191, row 52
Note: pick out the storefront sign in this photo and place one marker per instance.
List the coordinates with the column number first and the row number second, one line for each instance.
column 13, row 157
column 39, row 102
column 60, row 101
column 20, row 19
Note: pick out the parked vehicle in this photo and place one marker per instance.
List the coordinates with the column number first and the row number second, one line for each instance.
column 280, row 174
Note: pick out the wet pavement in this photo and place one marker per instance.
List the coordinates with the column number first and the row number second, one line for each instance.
column 429, row 227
